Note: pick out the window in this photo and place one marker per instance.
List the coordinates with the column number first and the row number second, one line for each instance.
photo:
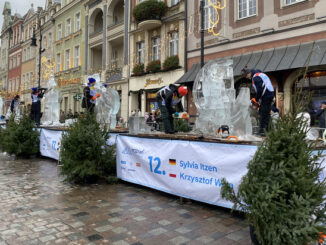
column 114, row 59
column 156, row 43
column 77, row 22
column 10, row 64
column 58, row 63
column 77, row 55
column 50, row 40
column 174, row 2
column 288, row 2
column 31, row 79
column 67, row 59
column 23, row 82
column 44, row 42
column 247, row 8
column 18, row 60
column 209, row 13
column 140, row 52
column 17, row 84
column 14, row 63
column 28, row 54
column 59, row 32
column 68, row 27
column 174, row 44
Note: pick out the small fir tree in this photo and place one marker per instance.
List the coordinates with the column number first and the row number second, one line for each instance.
column 181, row 125
column 85, row 155
column 283, row 193
column 20, row 138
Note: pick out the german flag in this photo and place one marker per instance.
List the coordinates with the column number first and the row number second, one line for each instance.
column 173, row 175
column 138, row 164
column 172, row 162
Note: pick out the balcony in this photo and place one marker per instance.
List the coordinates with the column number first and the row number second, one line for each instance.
column 149, row 24
column 96, row 36
column 148, row 14
column 115, row 30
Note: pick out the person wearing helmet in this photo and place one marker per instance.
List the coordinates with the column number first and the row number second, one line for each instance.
column 264, row 96
column 90, row 96
column 36, row 105
column 167, row 98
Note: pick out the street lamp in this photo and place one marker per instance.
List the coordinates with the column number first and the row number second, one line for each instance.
column 202, row 32
column 40, row 51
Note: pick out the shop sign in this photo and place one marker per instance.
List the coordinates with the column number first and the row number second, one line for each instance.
column 150, row 82
column 64, row 82
column 77, row 97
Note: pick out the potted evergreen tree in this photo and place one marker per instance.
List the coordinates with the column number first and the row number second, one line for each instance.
column 20, row 138
column 85, row 156
column 283, row 192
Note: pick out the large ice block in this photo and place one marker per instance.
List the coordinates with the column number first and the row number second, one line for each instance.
column 137, row 125
column 51, row 104
column 216, row 102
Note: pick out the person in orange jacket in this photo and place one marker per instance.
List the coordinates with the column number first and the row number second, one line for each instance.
column 90, row 96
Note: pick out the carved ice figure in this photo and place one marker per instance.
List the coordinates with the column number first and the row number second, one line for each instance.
column 108, row 105
column 214, row 97
column 51, row 103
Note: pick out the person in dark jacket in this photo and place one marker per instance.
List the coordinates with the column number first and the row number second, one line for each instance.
column 264, row 96
column 14, row 104
column 90, row 96
column 167, row 98
column 36, row 105
column 321, row 113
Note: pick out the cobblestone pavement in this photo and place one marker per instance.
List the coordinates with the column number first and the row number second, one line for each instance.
column 37, row 207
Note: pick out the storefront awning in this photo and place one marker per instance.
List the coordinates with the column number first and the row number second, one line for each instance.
column 278, row 59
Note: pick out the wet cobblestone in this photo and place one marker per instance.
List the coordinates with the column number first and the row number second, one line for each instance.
column 38, row 207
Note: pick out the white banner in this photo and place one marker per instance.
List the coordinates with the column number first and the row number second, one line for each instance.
column 184, row 168
column 50, row 142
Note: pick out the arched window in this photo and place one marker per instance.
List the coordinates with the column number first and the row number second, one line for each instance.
column 315, row 83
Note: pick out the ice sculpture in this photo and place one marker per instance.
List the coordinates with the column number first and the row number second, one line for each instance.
column 108, row 105
column 216, row 102
column 137, row 125
column 51, row 104
column 312, row 133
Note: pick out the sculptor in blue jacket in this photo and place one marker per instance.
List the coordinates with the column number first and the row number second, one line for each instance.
column 264, row 96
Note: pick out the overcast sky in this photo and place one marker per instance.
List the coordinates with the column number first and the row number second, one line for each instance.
column 20, row 6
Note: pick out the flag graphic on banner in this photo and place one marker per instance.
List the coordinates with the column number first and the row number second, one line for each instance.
column 172, row 162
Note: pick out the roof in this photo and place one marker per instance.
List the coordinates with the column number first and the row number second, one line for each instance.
column 277, row 59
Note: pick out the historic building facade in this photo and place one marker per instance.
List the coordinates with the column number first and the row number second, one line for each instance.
column 152, row 43
column 107, row 45
column 15, row 59
column 29, row 55
column 279, row 37
column 69, row 51
column 5, row 35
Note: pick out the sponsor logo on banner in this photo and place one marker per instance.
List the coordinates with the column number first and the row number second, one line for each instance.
column 123, row 162
column 56, row 145
column 130, row 151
